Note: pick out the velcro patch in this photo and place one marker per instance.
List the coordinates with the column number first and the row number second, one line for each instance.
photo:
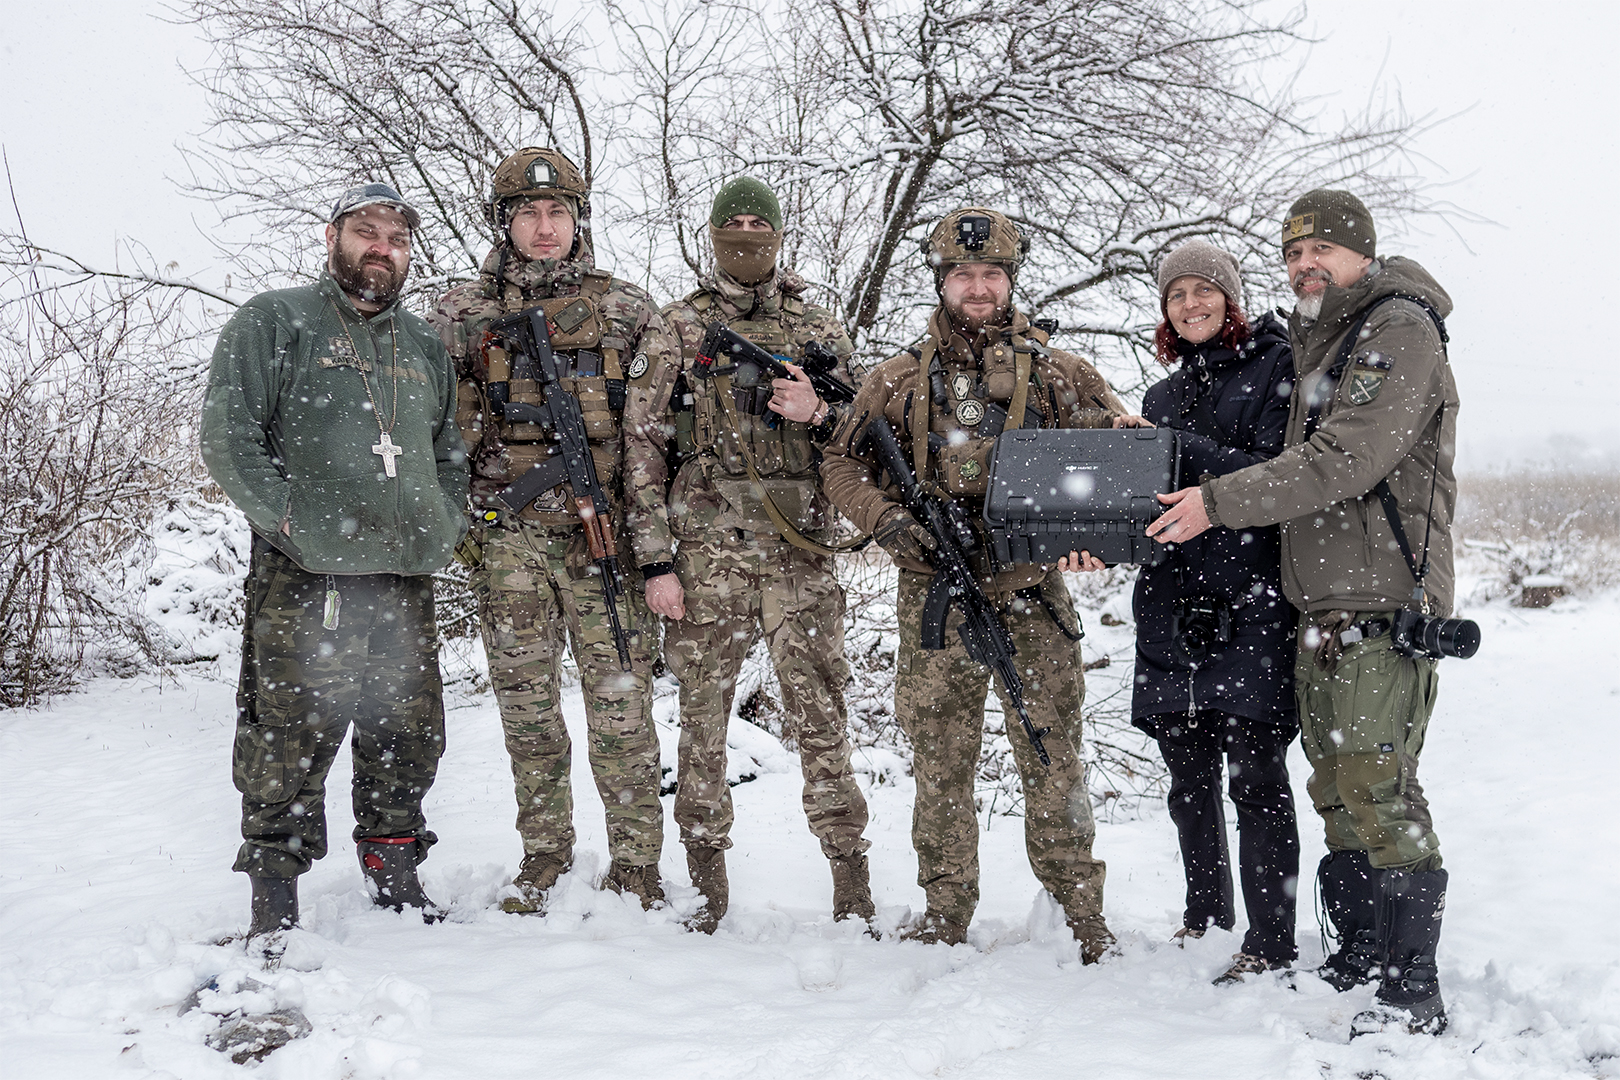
column 1365, row 386
column 1296, row 227
column 1375, row 360
column 1386, row 748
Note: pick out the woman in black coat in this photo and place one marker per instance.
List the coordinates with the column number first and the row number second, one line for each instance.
column 1214, row 635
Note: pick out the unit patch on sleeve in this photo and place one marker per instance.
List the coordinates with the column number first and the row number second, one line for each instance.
column 1367, row 376
column 638, row 366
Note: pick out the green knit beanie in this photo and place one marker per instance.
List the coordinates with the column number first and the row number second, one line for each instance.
column 745, row 195
column 1332, row 215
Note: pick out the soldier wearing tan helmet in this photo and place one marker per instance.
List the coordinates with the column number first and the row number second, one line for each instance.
column 531, row 573
column 752, row 561
column 981, row 368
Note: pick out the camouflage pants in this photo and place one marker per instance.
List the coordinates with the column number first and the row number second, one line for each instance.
column 301, row 686
column 734, row 592
column 1362, row 725
column 534, row 587
column 939, row 701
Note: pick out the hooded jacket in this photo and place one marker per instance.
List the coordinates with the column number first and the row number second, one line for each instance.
column 1231, row 407
column 1392, row 414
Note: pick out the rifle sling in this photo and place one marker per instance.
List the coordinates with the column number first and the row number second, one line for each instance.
column 722, row 385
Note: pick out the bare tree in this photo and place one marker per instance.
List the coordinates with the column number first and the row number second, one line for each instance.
column 97, row 392
column 1110, row 130
column 428, row 95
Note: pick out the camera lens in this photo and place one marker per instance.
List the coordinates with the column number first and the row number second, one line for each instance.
column 1449, row 637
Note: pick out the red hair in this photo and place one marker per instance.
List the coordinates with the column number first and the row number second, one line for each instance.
column 1234, row 332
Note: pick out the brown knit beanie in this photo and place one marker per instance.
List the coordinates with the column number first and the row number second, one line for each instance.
column 1332, row 215
column 1201, row 259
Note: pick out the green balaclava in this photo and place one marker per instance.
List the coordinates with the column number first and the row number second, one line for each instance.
column 748, row 256
column 1332, row 215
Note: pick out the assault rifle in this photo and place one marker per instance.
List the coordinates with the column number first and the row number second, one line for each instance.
column 983, row 633
column 526, row 337
column 720, row 342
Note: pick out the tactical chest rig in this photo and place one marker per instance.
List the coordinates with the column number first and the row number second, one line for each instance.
column 955, row 417
column 725, row 439
column 588, row 342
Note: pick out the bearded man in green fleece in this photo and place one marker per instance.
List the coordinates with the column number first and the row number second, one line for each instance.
column 330, row 421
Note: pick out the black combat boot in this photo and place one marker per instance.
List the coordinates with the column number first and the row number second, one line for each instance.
column 707, row 868
column 1349, row 887
column 275, row 905
column 1409, row 911
column 389, row 865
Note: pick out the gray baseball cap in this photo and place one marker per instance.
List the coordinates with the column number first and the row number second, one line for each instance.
column 374, row 195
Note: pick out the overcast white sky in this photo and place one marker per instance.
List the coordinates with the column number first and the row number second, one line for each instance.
column 97, row 106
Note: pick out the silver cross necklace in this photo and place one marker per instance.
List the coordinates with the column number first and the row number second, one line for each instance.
column 386, row 449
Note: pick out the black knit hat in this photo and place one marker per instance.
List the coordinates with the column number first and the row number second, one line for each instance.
column 1332, row 215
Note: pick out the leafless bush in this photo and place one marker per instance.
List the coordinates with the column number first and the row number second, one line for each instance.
column 97, row 392
column 1521, row 525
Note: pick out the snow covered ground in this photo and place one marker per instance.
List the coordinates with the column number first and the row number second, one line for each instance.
column 119, row 824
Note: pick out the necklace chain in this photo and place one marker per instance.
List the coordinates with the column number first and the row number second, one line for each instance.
column 365, row 380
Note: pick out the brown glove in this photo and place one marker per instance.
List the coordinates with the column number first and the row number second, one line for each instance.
column 902, row 537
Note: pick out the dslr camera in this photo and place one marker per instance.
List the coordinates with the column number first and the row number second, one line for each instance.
column 1200, row 625
column 1428, row 637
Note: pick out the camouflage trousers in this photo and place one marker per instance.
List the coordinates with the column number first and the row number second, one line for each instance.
column 1362, row 725
column 301, row 686
column 735, row 591
column 939, row 702
column 537, row 595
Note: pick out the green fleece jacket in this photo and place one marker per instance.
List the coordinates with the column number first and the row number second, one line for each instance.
column 1383, row 418
column 288, row 431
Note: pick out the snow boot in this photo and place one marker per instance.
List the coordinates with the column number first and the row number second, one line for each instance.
column 1409, row 911
column 389, row 865
column 1244, row 964
column 852, row 889
column 935, row 929
column 707, row 867
column 642, row 882
column 1096, row 940
column 1349, row 886
column 536, row 875
column 275, row 905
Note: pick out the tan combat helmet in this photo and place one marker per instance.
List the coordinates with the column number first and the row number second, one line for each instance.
column 537, row 172
column 974, row 234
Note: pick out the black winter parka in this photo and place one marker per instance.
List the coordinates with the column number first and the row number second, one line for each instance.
column 1232, row 410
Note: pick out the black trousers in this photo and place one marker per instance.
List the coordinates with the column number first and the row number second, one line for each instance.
column 1268, row 836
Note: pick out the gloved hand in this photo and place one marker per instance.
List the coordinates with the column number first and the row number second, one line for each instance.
column 903, row 537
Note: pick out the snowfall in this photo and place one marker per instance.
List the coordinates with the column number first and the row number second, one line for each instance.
column 121, row 952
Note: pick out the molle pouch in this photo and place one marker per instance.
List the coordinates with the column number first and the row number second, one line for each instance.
column 595, row 407
column 575, row 323
column 751, row 399
column 964, row 468
column 470, row 411
column 795, row 500
column 1000, row 376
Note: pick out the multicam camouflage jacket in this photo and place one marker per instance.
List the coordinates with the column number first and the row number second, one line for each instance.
column 680, row 426
column 612, row 338
column 1063, row 391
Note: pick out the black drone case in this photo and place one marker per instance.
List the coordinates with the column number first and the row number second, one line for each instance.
column 1059, row 490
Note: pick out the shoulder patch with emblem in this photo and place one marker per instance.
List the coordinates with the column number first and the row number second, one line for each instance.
column 1367, row 376
column 969, row 412
column 638, row 366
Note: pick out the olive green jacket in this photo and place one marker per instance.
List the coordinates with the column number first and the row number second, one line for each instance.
column 288, row 428
column 1383, row 419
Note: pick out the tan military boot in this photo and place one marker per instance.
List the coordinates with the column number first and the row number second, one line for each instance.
column 707, row 866
column 641, row 882
column 852, row 889
column 935, row 929
column 1096, row 940
column 539, row 872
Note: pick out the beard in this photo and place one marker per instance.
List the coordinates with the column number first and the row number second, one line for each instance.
column 375, row 281
column 1309, row 305
column 970, row 325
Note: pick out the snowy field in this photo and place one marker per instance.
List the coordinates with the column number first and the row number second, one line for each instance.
column 120, row 824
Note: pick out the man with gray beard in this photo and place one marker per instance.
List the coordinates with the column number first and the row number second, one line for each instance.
column 1364, row 492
